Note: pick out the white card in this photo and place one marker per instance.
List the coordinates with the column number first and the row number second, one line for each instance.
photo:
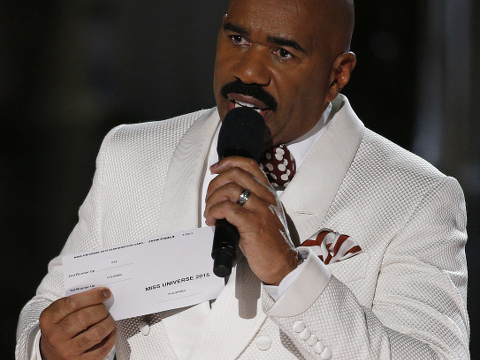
column 148, row 276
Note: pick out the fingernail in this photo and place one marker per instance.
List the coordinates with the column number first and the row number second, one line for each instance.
column 214, row 166
column 106, row 293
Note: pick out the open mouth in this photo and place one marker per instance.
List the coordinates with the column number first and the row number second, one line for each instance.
column 238, row 100
column 262, row 110
column 251, row 96
column 238, row 104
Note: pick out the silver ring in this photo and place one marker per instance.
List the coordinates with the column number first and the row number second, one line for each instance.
column 242, row 199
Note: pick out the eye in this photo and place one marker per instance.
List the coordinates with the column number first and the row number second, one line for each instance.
column 284, row 54
column 238, row 40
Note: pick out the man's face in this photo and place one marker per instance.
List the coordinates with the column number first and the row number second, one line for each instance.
column 279, row 47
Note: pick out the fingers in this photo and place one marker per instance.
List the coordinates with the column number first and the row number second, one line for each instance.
column 96, row 337
column 238, row 162
column 78, row 325
column 101, row 350
column 94, row 343
column 243, row 172
column 68, row 305
column 235, row 214
column 264, row 237
column 223, row 203
column 235, row 175
column 81, row 320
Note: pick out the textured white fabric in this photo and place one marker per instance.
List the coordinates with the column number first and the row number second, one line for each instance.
column 35, row 347
column 403, row 297
column 276, row 291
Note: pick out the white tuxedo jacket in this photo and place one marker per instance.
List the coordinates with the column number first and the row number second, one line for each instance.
column 403, row 297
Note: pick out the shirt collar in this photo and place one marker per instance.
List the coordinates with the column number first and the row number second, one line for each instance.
column 302, row 146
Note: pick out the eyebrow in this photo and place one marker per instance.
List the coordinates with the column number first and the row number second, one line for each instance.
column 286, row 42
column 235, row 28
column 273, row 39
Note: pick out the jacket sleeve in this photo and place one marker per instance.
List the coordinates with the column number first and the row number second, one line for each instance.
column 419, row 307
column 85, row 236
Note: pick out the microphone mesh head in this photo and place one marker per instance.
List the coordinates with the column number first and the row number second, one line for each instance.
column 241, row 134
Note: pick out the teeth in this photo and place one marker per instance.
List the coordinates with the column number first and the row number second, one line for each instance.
column 244, row 104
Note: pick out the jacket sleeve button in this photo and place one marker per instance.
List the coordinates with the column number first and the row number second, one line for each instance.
column 326, row 354
column 312, row 341
column 305, row 334
column 144, row 328
column 298, row 326
column 319, row 347
column 263, row 342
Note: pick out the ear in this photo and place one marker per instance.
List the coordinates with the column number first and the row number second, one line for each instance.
column 340, row 75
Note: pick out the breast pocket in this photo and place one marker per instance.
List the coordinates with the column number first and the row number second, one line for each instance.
column 351, row 270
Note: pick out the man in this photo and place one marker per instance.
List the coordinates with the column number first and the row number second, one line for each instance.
column 402, row 296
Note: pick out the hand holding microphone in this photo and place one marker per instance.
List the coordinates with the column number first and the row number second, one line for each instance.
column 257, row 226
column 241, row 134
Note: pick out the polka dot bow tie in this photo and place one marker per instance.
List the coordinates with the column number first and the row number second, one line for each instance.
column 279, row 166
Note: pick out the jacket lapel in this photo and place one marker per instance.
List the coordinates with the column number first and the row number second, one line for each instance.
column 312, row 190
column 180, row 208
column 235, row 318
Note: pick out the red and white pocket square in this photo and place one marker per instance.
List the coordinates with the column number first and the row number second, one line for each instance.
column 331, row 246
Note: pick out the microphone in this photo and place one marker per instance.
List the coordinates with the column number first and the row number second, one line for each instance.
column 241, row 134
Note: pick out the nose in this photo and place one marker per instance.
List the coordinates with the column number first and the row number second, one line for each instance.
column 252, row 67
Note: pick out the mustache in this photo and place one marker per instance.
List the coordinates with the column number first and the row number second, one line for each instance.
column 252, row 90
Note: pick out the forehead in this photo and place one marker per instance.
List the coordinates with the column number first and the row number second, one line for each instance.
column 297, row 19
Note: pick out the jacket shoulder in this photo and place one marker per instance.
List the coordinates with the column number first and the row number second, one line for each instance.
column 385, row 157
column 384, row 186
column 174, row 127
column 149, row 139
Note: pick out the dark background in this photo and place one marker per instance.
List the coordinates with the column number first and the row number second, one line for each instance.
column 71, row 70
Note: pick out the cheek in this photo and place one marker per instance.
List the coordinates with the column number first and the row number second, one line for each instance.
column 303, row 102
column 300, row 93
column 220, row 78
column 218, row 73
column 224, row 56
column 223, row 68
column 310, row 91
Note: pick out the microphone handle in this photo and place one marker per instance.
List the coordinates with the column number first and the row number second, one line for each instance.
column 224, row 251
column 241, row 134
column 226, row 237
